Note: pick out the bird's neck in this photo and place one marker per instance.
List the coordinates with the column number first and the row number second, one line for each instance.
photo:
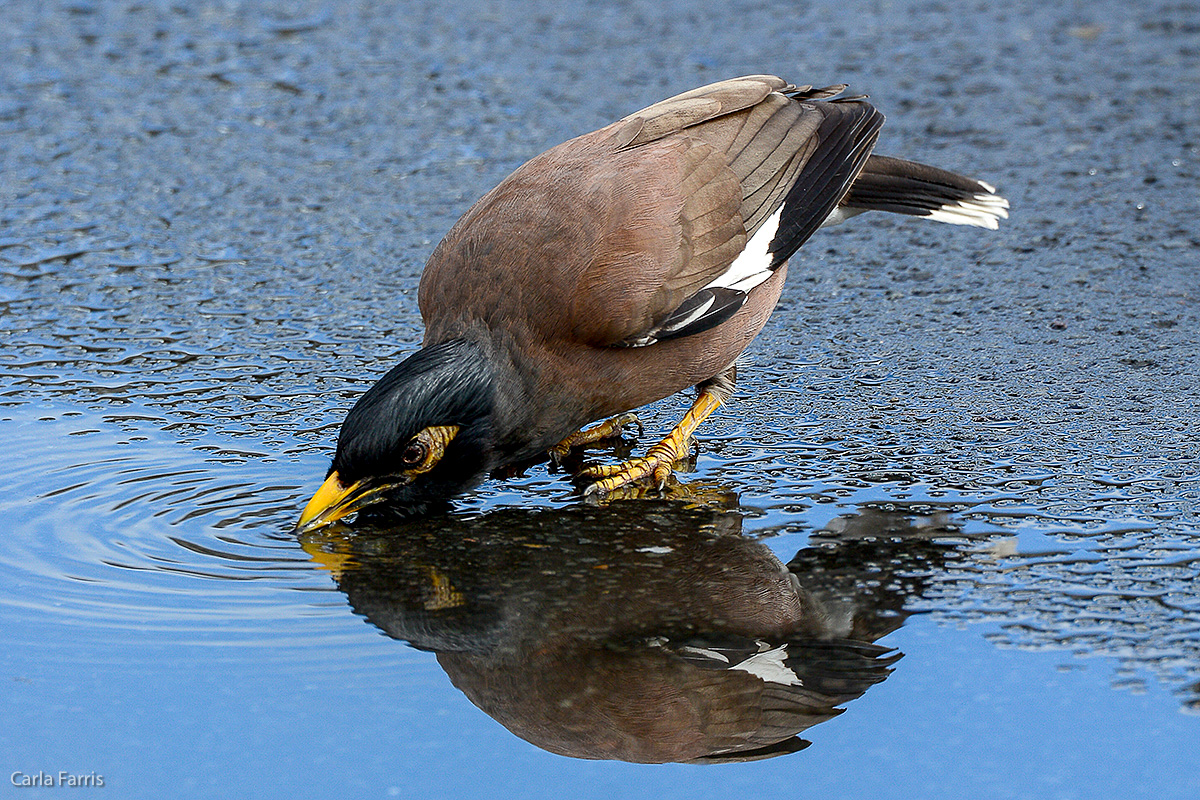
column 515, row 393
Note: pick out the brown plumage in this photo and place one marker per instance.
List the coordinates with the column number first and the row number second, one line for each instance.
column 616, row 269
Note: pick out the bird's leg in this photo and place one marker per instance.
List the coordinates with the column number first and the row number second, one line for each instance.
column 609, row 429
column 659, row 461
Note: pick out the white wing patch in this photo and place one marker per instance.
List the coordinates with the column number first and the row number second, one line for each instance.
column 753, row 264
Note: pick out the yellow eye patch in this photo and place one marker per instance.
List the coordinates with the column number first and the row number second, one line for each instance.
column 425, row 450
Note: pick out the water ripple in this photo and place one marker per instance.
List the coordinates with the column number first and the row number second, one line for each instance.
column 146, row 544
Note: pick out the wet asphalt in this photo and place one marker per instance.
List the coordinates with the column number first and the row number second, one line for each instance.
column 301, row 163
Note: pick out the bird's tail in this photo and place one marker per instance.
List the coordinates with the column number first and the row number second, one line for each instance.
column 906, row 187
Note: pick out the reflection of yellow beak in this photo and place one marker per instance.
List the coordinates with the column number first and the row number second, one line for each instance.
column 330, row 549
column 335, row 500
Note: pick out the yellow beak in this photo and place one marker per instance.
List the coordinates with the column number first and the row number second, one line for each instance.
column 332, row 501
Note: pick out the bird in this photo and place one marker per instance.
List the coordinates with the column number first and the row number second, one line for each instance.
column 616, row 269
column 649, row 632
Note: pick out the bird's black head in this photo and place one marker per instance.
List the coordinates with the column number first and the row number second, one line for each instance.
column 419, row 436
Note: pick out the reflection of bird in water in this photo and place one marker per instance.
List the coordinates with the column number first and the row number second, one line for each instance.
column 616, row 269
column 649, row 632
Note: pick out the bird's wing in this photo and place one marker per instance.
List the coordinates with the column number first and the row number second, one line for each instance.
column 657, row 226
column 744, row 171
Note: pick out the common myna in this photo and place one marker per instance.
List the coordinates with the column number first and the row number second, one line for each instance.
column 649, row 632
column 613, row 270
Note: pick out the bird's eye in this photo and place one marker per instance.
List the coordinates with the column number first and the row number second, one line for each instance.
column 414, row 453
column 425, row 450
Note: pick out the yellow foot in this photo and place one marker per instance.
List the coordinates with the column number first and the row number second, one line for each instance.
column 609, row 429
column 658, row 464
column 659, row 461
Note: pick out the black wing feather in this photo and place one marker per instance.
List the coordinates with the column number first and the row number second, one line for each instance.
column 726, row 303
column 847, row 136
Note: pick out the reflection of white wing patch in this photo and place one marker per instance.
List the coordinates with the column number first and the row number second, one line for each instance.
column 769, row 666
column 703, row 652
column 753, row 264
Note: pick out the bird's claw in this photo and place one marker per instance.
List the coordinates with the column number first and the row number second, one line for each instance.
column 658, row 464
column 609, row 429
